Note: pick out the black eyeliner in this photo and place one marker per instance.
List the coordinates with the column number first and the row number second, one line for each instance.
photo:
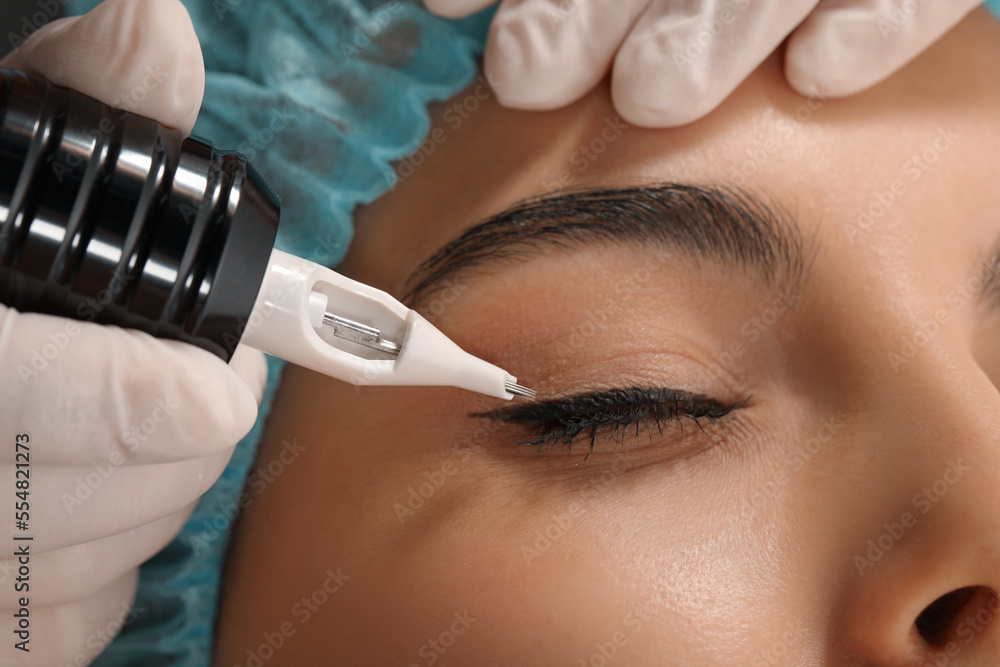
column 560, row 420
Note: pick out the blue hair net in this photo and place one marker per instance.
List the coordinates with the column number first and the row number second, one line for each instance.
column 321, row 95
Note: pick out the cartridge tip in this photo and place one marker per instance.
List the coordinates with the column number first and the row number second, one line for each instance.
column 516, row 389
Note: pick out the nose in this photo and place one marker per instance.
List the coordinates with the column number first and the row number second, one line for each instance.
column 927, row 565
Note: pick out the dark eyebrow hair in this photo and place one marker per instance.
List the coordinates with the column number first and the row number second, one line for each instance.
column 724, row 225
column 989, row 290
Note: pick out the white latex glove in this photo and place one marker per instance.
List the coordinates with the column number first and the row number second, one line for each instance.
column 676, row 60
column 125, row 431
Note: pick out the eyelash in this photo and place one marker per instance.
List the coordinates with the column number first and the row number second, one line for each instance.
column 561, row 421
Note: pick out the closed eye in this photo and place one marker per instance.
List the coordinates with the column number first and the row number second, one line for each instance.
column 561, row 420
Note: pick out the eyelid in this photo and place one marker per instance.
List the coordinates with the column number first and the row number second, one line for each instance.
column 560, row 420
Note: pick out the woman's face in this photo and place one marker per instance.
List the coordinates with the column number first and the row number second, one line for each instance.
column 782, row 400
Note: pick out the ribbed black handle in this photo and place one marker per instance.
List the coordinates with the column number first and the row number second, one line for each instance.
column 108, row 216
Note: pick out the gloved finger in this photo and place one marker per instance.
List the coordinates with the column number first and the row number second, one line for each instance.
column 845, row 47
column 73, row 634
column 87, row 393
column 456, row 9
column 681, row 60
column 78, row 571
column 72, row 505
column 141, row 56
column 251, row 367
column 541, row 54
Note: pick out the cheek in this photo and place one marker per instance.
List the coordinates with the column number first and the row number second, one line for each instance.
column 559, row 567
column 459, row 551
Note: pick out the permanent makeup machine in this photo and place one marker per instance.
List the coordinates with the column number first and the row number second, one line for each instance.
column 110, row 217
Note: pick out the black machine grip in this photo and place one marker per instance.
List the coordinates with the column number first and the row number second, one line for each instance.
column 110, row 217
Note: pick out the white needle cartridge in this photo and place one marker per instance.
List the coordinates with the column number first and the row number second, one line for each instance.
column 316, row 318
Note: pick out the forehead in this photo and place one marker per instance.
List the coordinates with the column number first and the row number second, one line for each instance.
column 877, row 171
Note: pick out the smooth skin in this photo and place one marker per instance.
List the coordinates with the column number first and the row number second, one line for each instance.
column 812, row 528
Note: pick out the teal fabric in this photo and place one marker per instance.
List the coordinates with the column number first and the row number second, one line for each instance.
column 994, row 6
column 321, row 95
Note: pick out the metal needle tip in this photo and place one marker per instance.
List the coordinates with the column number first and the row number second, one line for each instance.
column 518, row 390
column 359, row 333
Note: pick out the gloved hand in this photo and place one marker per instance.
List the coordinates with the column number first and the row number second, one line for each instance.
column 123, row 432
column 676, row 60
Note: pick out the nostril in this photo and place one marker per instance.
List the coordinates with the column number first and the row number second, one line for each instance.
column 935, row 620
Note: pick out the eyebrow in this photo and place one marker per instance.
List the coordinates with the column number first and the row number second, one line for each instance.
column 731, row 227
column 989, row 291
